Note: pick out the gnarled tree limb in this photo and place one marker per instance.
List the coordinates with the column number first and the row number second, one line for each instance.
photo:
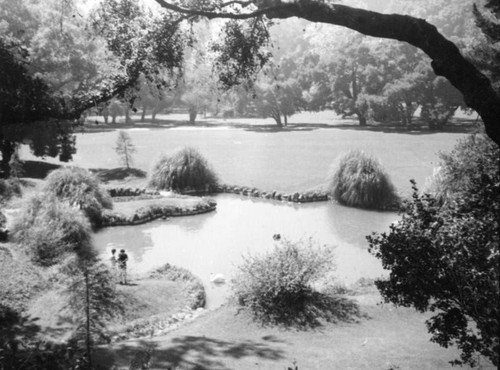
column 446, row 59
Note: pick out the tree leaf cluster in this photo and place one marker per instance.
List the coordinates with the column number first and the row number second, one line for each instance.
column 242, row 51
column 444, row 256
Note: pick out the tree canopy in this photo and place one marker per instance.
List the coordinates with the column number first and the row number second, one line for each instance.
column 446, row 58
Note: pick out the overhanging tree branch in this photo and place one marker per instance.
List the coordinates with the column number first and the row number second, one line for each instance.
column 446, row 59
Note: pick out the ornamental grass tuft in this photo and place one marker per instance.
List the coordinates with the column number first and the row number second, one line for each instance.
column 184, row 170
column 360, row 181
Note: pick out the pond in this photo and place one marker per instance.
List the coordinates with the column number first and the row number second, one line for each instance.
column 215, row 242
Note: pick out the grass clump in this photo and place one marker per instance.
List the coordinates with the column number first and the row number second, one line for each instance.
column 49, row 230
column 360, row 181
column 186, row 169
column 280, row 287
column 79, row 188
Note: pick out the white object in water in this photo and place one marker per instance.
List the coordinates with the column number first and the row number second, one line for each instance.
column 217, row 278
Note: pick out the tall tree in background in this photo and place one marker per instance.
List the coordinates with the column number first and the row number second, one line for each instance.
column 278, row 99
column 446, row 58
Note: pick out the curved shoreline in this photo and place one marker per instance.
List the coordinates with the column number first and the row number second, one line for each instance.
column 157, row 324
column 151, row 213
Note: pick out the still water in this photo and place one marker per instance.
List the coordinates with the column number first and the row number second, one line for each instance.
column 215, row 242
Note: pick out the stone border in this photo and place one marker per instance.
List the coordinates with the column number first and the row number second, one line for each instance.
column 130, row 192
column 158, row 325
column 305, row 197
column 125, row 194
column 150, row 213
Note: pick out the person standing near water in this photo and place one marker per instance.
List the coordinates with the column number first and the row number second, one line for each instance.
column 122, row 266
column 113, row 259
column 113, row 263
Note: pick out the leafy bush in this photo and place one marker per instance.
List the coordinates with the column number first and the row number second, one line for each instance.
column 436, row 185
column 80, row 188
column 50, row 229
column 8, row 189
column 185, row 169
column 458, row 168
column 444, row 256
column 360, row 181
column 279, row 287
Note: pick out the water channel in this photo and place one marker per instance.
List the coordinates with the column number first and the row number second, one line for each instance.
column 215, row 242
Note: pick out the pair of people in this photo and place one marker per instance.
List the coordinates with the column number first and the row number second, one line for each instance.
column 121, row 263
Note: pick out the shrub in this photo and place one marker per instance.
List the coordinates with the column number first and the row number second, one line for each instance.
column 50, row 229
column 279, row 287
column 458, row 168
column 185, row 169
column 443, row 257
column 8, row 189
column 360, row 181
column 80, row 188
column 436, row 185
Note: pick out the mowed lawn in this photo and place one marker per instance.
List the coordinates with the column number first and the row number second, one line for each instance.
column 386, row 338
column 254, row 153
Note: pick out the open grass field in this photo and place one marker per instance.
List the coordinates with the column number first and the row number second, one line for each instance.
column 256, row 153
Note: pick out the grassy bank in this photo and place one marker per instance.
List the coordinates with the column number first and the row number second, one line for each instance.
column 386, row 338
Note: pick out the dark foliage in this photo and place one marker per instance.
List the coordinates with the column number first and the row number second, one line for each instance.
column 21, row 349
column 444, row 257
column 241, row 54
column 24, row 100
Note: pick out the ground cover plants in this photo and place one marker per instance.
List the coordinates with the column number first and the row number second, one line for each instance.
column 360, row 181
column 280, row 287
column 186, row 169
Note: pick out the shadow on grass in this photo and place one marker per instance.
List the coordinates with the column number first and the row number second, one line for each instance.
column 458, row 125
column 312, row 312
column 38, row 169
column 195, row 352
column 120, row 173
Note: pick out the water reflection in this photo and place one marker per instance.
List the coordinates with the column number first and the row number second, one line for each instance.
column 215, row 242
